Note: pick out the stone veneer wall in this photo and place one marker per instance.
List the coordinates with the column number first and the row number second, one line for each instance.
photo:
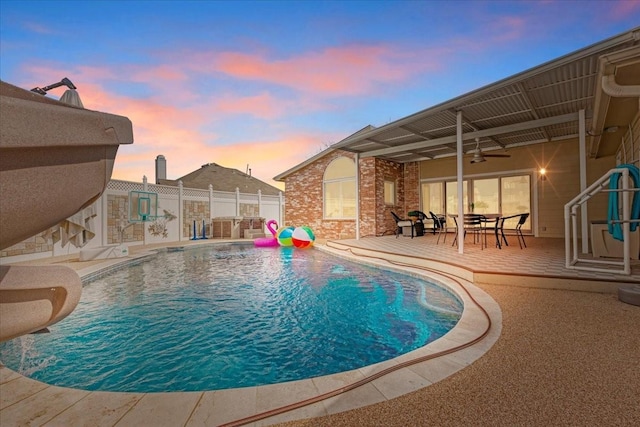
column 249, row 210
column 198, row 211
column 32, row 245
column 304, row 202
column 118, row 217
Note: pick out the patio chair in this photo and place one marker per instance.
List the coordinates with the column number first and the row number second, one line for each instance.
column 400, row 223
column 440, row 225
column 517, row 229
column 424, row 217
column 472, row 223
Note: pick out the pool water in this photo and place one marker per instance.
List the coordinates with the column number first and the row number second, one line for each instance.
column 225, row 316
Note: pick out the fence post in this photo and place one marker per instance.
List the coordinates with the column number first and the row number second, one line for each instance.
column 210, row 210
column 180, row 211
column 145, row 184
column 237, row 201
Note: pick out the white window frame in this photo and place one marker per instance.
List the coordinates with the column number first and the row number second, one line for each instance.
column 342, row 181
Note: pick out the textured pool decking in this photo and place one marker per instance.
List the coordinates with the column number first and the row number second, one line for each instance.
column 551, row 357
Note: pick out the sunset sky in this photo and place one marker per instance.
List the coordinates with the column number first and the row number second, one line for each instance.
column 270, row 84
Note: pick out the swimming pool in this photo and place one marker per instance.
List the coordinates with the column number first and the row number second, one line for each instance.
column 219, row 317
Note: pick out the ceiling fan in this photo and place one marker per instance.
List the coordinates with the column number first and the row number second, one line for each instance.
column 479, row 156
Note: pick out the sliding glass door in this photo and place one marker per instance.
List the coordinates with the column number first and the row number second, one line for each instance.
column 516, row 199
column 506, row 195
column 451, row 189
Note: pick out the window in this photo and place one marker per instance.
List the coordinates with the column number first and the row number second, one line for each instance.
column 339, row 184
column 389, row 192
column 516, row 198
column 486, row 196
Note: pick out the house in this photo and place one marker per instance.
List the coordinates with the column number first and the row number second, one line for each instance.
column 220, row 177
column 527, row 143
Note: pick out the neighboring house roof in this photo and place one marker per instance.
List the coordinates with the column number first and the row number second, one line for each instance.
column 535, row 106
column 310, row 160
column 223, row 179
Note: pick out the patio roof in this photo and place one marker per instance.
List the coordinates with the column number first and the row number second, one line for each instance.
column 536, row 106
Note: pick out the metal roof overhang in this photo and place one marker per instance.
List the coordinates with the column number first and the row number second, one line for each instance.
column 536, row 106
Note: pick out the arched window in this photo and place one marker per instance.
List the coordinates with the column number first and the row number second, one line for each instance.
column 339, row 185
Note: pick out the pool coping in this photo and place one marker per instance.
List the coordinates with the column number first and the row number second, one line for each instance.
column 29, row 401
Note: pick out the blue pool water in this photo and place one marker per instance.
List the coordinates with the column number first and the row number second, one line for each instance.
column 224, row 316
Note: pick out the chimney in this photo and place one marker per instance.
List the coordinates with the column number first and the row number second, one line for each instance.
column 161, row 168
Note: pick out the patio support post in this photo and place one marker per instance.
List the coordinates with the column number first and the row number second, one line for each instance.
column 460, row 158
column 357, row 196
column 583, row 179
column 180, row 211
column 280, row 208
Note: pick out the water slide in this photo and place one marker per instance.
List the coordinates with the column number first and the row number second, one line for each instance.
column 55, row 159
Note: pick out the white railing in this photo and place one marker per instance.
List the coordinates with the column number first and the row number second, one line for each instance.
column 572, row 259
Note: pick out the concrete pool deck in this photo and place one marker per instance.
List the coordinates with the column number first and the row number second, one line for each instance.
column 561, row 357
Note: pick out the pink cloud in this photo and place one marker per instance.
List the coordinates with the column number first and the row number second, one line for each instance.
column 169, row 121
column 37, row 27
column 263, row 105
column 623, row 8
column 349, row 70
column 271, row 158
column 507, row 29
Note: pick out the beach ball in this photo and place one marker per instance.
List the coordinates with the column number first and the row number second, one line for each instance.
column 303, row 237
column 284, row 235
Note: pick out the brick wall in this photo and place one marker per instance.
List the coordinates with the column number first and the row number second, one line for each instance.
column 304, row 197
column 304, row 200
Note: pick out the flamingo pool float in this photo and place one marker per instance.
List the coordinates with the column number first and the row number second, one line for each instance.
column 264, row 242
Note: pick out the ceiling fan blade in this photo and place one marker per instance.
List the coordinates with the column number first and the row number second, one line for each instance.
column 496, row 155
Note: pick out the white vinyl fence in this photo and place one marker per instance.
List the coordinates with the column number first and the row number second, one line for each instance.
column 178, row 209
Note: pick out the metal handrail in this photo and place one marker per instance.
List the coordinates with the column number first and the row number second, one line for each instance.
column 572, row 259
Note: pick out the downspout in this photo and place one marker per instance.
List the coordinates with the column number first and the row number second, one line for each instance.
column 582, row 140
column 612, row 88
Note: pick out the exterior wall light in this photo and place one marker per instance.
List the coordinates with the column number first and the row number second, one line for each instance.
column 542, row 173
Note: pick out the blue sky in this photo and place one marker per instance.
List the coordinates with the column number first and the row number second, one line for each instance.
column 270, row 84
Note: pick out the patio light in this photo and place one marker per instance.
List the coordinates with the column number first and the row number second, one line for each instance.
column 543, row 174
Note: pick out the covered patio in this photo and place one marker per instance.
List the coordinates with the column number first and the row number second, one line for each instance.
column 541, row 264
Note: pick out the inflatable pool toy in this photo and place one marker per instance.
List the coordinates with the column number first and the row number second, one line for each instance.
column 284, row 236
column 303, row 237
column 264, row 242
